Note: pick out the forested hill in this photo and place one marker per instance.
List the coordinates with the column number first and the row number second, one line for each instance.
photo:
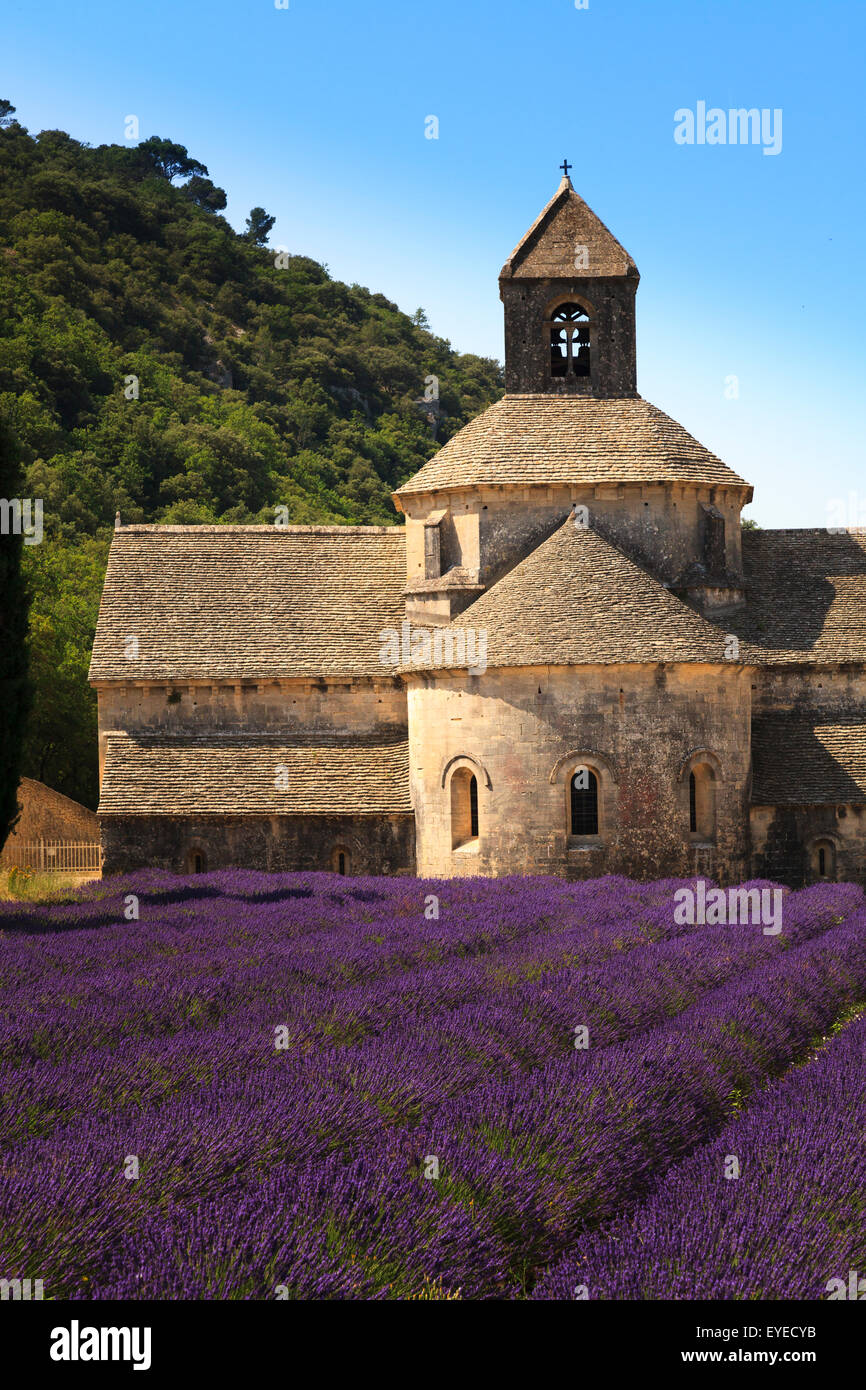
column 155, row 361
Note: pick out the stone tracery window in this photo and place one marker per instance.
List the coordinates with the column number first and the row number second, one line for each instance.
column 568, row 332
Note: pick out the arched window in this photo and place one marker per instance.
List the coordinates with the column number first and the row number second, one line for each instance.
column 197, row 862
column 341, row 860
column 584, row 802
column 464, row 807
column 823, row 857
column 702, row 802
column 568, row 332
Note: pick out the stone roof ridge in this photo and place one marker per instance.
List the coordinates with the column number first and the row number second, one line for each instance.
column 230, row 528
column 589, row 222
column 325, row 737
column 803, row 531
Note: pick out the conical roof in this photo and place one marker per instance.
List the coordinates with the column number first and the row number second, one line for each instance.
column 549, row 248
column 577, row 440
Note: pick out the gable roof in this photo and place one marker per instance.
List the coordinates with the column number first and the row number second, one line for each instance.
column 579, row 600
column 236, row 774
column 806, row 596
column 47, row 814
column 579, row 440
column 806, row 759
column 248, row 602
column 548, row 248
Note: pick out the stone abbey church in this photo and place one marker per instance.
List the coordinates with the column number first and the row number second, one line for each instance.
column 651, row 691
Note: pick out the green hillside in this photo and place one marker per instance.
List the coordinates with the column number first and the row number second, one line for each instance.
column 156, row 362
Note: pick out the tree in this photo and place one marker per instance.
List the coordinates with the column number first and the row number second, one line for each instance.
column 167, row 159
column 7, row 111
column 14, row 682
column 61, row 743
column 259, row 225
column 205, row 194
column 154, row 360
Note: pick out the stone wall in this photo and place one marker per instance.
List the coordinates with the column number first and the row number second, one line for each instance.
column 524, row 731
column 349, row 707
column 275, row 844
column 839, row 692
column 490, row 530
column 610, row 305
column 785, row 838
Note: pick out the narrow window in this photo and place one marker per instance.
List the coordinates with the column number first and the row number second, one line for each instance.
column 464, row 807
column 584, row 802
column 824, row 859
column 341, row 860
column 702, row 802
column 568, row 330
column 196, row 861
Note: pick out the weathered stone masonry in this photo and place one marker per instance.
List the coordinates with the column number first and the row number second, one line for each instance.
column 660, row 693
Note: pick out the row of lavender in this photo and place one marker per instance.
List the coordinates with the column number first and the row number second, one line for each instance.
column 126, row 1009
column 415, row 1046
column 775, row 1207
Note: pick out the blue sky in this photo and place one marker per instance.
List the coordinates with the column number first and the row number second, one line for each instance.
column 751, row 264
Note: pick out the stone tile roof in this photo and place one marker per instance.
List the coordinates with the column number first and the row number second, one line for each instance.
column 806, row 596
column 803, row 759
column 49, row 815
column 578, row 600
column 548, row 248
column 577, row 440
column 235, row 774
column 256, row 602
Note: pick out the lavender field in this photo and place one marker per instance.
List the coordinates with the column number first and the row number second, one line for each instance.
column 307, row 1086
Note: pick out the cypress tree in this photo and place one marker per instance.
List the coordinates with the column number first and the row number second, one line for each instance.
column 14, row 683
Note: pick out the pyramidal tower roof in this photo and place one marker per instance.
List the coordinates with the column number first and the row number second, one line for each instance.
column 549, row 248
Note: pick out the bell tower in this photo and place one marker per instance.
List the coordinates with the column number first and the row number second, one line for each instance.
column 569, row 294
